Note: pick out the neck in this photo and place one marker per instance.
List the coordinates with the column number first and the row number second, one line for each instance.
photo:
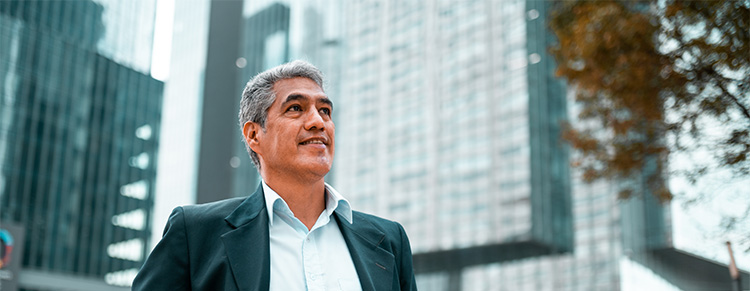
column 306, row 199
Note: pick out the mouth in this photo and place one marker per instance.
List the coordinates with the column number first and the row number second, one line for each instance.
column 314, row 141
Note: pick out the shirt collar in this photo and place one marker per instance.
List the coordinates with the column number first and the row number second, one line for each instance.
column 334, row 203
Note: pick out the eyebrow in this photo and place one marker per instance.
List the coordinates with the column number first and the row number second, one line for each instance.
column 293, row 97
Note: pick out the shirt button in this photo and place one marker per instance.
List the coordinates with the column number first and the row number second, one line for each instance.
column 307, row 239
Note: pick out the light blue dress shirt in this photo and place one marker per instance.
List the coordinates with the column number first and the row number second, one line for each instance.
column 312, row 260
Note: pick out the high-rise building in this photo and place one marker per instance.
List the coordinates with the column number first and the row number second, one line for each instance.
column 218, row 133
column 79, row 127
column 450, row 126
column 240, row 45
column 449, row 123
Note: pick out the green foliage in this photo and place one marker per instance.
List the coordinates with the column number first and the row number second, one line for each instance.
column 654, row 78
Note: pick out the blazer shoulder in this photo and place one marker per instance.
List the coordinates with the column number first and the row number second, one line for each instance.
column 372, row 218
column 211, row 211
column 385, row 225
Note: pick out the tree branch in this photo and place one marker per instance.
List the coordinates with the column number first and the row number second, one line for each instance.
column 743, row 108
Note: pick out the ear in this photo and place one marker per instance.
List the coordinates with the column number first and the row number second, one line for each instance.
column 250, row 131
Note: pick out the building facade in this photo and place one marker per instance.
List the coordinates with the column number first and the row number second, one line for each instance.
column 79, row 127
column 450, row 126
column 449, row 122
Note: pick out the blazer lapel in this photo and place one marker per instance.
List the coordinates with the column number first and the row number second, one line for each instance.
column 247, row 245
column 374, row 264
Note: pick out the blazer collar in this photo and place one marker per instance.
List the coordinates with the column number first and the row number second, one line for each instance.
column 247, row 245
column 248, row 209
column 373, row 263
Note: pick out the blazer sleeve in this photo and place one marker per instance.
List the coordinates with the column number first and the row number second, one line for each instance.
column 167, row 268
column 406, row 267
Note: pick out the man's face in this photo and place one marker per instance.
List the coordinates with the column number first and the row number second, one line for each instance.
column 299, row 134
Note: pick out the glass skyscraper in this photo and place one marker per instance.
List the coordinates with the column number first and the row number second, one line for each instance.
column 449, row 122
column 79, row 127
column 450, row 125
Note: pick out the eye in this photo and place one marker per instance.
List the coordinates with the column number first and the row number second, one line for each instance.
column 326, row 111
column 295, row 108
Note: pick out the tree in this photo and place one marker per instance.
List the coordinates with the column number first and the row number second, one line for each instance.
column 657, row 79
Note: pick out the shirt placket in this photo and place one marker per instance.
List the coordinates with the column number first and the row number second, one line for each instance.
column 313, row 268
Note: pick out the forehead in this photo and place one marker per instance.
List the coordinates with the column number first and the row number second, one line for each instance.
column 298, row 85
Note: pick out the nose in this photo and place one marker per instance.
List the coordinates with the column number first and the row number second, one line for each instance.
column 314, row 120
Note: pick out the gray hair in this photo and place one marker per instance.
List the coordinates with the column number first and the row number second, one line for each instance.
column 259, row 95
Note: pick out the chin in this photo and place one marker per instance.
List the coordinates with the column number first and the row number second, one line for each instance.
column 323, row 169
column 320, row 169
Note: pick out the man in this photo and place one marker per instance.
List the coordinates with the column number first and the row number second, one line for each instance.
column 295, row 232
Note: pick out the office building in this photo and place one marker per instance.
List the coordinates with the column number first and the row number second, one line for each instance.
column 450, row 127
column 79, row 128
column 449, row 123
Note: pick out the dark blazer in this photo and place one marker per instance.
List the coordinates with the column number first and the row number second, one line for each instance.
column 224, row 246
